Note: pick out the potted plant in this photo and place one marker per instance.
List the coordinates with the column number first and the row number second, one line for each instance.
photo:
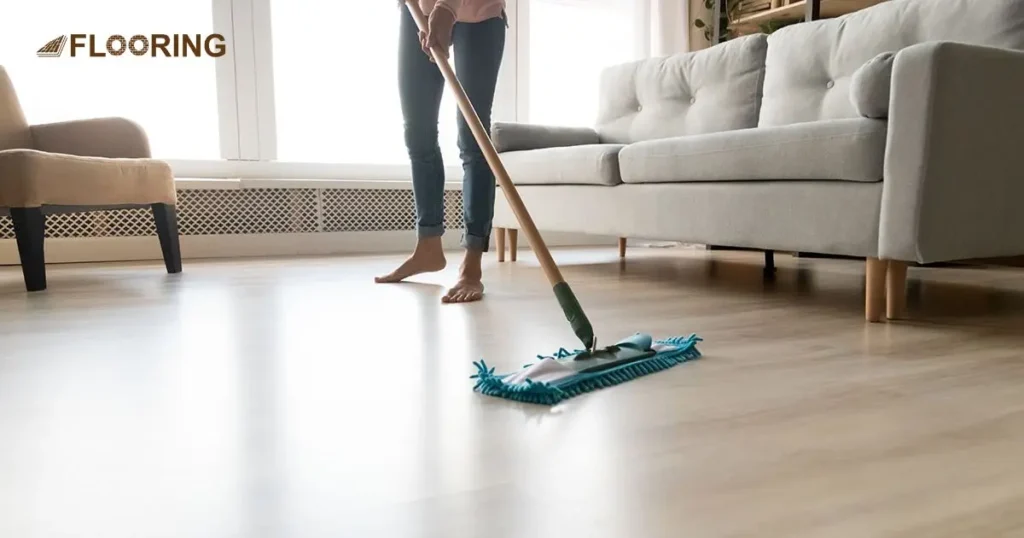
column 730, row 13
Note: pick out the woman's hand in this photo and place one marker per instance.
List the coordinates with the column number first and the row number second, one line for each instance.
column 439, row 31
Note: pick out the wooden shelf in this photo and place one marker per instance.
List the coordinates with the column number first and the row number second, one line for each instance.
column 795, row 11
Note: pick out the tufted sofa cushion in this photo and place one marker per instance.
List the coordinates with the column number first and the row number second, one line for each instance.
column 711, row 90
column 810, row 66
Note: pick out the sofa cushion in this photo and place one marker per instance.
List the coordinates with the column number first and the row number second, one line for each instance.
column 809, row 66
column 31, row 178
column 870, row 86
column 514, row 136
column 593, row 164
column 711, row 90
column 838, row 150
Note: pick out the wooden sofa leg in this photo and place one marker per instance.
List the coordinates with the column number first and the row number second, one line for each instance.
column 622, row 247
column 874, row 290
column 499, row 243
column 896, row 290
column 29, row 233
column 166, row 218
column 513, row 243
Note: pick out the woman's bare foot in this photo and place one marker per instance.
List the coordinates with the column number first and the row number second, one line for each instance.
column 465, row 290
column 470, row 286
column 427, row 258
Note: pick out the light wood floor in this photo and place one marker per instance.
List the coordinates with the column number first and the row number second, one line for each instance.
column 296, row 399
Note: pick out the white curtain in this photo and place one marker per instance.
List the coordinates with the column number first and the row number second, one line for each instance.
column 660, row 27
column 669, row 26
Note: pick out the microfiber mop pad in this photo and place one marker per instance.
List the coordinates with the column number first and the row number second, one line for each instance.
column 566, row 374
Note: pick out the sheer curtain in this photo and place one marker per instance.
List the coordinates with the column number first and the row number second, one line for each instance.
column 593, row 35
column 669, row 28
column 569, row 43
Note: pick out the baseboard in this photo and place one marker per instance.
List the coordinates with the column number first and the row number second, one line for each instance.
column 143, row 248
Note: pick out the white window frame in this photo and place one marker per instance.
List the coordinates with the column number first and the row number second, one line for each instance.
column 237, row 95
column 245, row 89
column 227, row 108
column 522, row 59
column 246, row 97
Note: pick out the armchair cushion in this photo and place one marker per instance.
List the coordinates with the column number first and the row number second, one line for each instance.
column 115, row 138
column 14, row 131
column 31, row 178
column 510, row 136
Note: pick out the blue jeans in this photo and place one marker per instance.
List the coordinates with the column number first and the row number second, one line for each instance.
column 478, row 49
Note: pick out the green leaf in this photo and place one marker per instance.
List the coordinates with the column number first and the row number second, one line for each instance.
column 698, row 23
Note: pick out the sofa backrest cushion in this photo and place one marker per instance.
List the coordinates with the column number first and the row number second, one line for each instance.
column 711, row 90
column 809, row 66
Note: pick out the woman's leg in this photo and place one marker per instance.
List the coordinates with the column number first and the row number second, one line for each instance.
column 478, row 49
column 420, row 86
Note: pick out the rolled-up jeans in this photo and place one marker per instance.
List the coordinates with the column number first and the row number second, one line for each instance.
column 477, row 51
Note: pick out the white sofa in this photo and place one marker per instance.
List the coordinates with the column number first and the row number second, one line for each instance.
column 893, row 134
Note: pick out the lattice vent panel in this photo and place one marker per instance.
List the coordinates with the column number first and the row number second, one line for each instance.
column 258, row 211
column 6, row 228
column 247, row 211
column 366, row 210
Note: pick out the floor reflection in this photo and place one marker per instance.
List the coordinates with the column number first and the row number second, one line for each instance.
column 296, row 398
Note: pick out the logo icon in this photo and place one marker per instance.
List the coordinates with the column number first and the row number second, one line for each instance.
column 53, row 48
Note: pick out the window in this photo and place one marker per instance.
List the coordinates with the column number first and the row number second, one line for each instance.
column 174, row 99
column 336, row 84
column 308, row 86
column 570, row 43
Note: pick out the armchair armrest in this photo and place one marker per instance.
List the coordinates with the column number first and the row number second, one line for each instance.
column 98, row 137
column 509, row 136
column 953, row 178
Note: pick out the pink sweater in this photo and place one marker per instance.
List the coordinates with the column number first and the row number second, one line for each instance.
column 467, row 10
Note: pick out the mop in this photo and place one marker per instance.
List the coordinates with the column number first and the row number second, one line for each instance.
column 563, row 374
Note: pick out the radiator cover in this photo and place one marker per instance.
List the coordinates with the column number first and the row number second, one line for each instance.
column 253, row 211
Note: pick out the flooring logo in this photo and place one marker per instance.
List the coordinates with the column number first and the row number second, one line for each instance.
column 153, row 46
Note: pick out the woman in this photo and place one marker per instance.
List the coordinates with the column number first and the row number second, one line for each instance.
column 475, row 29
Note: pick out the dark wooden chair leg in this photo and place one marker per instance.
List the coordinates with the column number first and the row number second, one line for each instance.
column 166, row 218
column 29, row 231
column 769, row 263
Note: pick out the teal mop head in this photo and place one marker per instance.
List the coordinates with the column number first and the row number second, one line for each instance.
column 565, row 374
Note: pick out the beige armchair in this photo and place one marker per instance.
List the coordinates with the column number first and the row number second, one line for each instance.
column 77, row 166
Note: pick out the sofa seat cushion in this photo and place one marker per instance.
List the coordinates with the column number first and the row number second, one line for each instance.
column 592, row 164
column 838, row 150
column 31, row 178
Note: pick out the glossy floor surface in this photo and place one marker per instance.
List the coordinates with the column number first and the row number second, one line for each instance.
column 296, row 399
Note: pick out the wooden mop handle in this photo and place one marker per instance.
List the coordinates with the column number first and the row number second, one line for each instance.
column 483, row 139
